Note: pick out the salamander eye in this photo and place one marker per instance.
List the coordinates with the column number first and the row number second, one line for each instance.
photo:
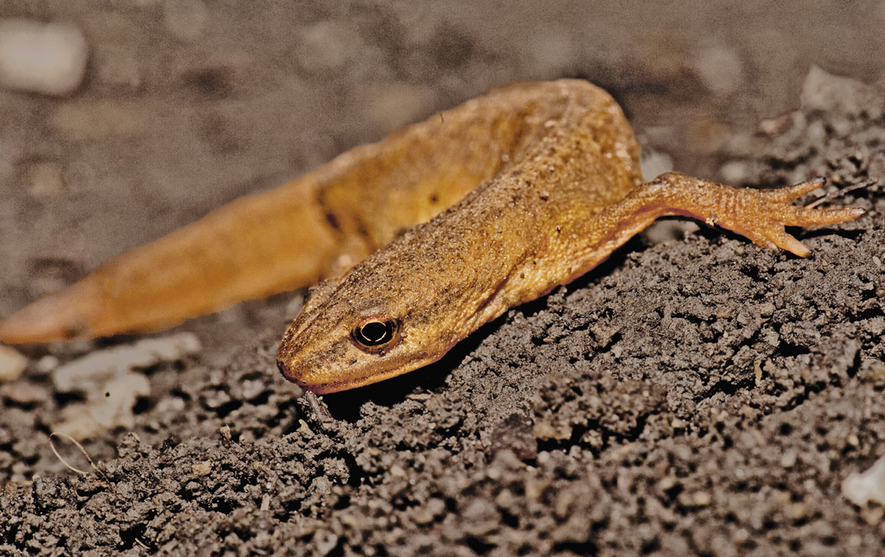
column 375, row 334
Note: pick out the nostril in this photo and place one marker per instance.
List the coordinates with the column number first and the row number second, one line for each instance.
column 284, row 369
column 294, row 374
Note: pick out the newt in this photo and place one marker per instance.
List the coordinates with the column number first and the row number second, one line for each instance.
column 422, row 237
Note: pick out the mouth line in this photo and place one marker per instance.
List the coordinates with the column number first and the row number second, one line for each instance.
column 347, row 381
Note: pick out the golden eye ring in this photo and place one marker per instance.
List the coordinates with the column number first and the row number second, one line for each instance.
column 375, row 334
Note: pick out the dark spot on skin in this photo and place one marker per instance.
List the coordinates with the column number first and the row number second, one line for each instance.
column 362, row 229
column 434, row 198
column 333, row 221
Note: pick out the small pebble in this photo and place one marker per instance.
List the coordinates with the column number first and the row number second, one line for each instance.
column 720, row 69
column 45, row 180
column 827, row 92
column 47, row 363
column 42, row 58
column 860, row 488
column 95, row 119
column 12, row 363
column 327, row 47
column 654, row 163
column 24, row 392
column 111, row 385
column 202, row 468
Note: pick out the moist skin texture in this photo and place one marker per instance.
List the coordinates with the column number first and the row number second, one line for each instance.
column 552, row 171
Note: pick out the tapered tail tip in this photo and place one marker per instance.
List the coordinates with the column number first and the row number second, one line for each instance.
column 48, row 319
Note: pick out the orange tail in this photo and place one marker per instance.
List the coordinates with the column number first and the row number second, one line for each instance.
column 231, row 255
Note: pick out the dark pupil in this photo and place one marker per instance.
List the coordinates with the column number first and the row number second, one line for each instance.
column 375, row 333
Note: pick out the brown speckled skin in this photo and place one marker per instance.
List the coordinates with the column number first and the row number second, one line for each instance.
column 574, row 196
column 552, row 171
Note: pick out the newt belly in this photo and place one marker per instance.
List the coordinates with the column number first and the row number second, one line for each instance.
column 541, row 181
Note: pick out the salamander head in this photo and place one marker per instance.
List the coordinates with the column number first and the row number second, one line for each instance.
column 374, row 325
column 403, row 307
column 340, row 347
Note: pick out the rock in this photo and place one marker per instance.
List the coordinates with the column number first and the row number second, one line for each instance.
column 93, row 371
column 111, row 385
column 89, row 120
column 24, row 393
column 827, row 92
column 866, row 486
column 327, row 47
column 42, row 58
column 12, row 363
column 45, row 180
column 720, row 69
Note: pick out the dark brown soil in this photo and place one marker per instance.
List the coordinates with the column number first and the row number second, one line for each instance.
column 699, row 396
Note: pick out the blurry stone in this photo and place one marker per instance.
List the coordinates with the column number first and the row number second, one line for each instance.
column 866, row 486
column 12, row 363
column 654, row 163
column 42, row 58
column 825, row 91
column 720, row 69
column 46, row 363
column 665, row 231
column 327, row 46
column 44, row 180
column 110, row 384
column 735, row 172
column 92, row 371
column 24, row 392
column 98, row 119
column 106, row 409
column 185, row 19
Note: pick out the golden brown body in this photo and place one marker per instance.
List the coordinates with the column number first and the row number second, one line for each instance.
column 553, row 174
column 551, row 216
